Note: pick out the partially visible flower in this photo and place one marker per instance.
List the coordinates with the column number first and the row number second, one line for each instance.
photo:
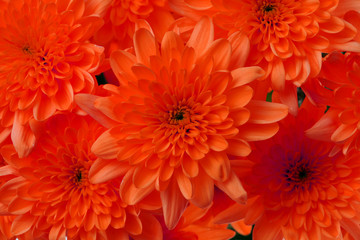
column 295, row 190
column 179, row 111
column 198, row 224
column 51, row 192
column 340, row 78
column 122, row 17
column 45, row 57
column 286, row 36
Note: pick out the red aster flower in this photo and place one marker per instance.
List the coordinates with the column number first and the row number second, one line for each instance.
column 51, row 191
column 179, row 113
column 122, row 17
column 295, row 190
column 45, row 57
column 340, row 78
column 286, row 36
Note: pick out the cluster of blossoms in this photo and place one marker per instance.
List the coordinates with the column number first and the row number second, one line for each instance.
column 171, row 119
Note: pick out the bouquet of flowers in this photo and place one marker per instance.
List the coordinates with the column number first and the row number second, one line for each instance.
column 180, row 119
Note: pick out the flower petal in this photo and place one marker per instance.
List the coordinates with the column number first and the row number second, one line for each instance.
column 174, row 204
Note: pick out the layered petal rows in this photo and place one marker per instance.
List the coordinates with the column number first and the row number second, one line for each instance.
column 179, row 119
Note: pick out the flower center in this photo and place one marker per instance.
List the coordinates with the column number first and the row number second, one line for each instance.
column 299, row 173
column 79, row 175
column 26, row 49
column 268, row 8
column 179, row 116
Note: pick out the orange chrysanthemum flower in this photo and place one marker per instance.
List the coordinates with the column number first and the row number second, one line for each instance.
column 340, row 81
column 286, row 36
column 179, row 112
column 51, row 191
column 45, row 57
column 122, row 17
column 295, row 190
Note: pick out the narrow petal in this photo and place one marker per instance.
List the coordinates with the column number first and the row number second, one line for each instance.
column 86, row 102
column 22, row 137
column 203, row 190
column 145, row 46
column 130, row 193
column 22, row 224
column 121, row 62
column 233, row 188
column 262, row 112
column 202, row 36
column 174, row 204
column 151, row 229
column 43, row 108
column 216, row 165
column 106, row 146
column 245, row 75
column 104, row 170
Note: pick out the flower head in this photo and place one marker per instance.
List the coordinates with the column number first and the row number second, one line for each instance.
column 180, row 110
column 45, row 58
column 340, row 80
column 286, row 36
column 295, row 189
column 51, row 191
column 122, row 17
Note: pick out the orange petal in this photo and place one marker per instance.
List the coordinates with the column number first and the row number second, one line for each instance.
column 151, row 229
column 324, row 128
column 343, row 132
column 217, row 143
column 104, row 170
column 64, row 96
column 256, row 132
column 144, row 177
column 346, row 5
column 103, row 221
column 174, row 204
column 121, row 62
column 202, row 36
column 265, row 231
column 238, row 147
column 190, row 167
column 106, row 146
column 20, row 206
column 216, row 165
column 266, row 112
column 184, row 184
column 131, row 194
column 203, row 190
column 240, row 44
column 220, row 51
column 171, row 46
column 43, row 108
column 145, row 46
column 233, row 188
column 245, row 75
column 239, row 96
column 278, row 75
column 22, row 224
column 133, row 224
column 22, row 137
column 86, row 102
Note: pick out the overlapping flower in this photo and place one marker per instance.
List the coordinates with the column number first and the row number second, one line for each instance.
column 189, row 137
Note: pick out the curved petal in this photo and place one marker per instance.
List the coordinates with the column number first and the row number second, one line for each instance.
column 202, row 36
column 104, row 170
column 174, row 204
column 105, row 146
column 145, row 46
